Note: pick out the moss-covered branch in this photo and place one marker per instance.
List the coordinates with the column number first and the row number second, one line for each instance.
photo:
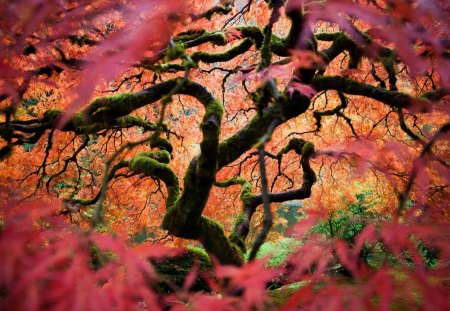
column 111, row 112
column 218, row 9
column 184, row 218
column 246, row 197
column 306, row 150
column 218, row 244
column 287, row 108
column 246, row 192
column 87, row 202
column 235, row 51
column 199, row 177
column 155, row 164
column 349, row 86
column 342, row 42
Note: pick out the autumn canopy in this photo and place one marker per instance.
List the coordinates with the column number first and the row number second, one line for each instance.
column 224, row 155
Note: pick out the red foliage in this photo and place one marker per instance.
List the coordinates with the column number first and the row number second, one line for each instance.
column 48, row 264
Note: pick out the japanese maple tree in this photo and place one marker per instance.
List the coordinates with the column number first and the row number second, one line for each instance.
column 183, row 122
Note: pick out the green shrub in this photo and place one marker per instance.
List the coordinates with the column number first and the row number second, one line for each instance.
column 278, row 251
column 173, row 271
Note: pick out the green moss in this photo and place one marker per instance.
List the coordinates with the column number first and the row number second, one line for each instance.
column 217, row 10
column 220, row 39
column 308, row 149
column 127, row 121
column 217, row 38
column 278, row 46
column 207, row 161
column 75, row 123
column 98, row 258
column 213, row 238
column 239, row 241
column 189, row 35
column 254, row 33
column 214, row 107
column 184, row 219
column 237, row 50
column 161, row 143
column 281, row 295
column 188, row 63
column 265, row 50
column 177, row 268
column 434, row 95
column 143, row 164
column 111, row 107
column 246, row 196
column 120, row 99
column 232, row 147
column 124, row 102
column 389, row 63
column 77, row 120
column 263, row 96
column 199, row 252
column 206, row 230
column 170, row 67
column 162, row 156
column 295, row 144
column 327, row 36
column 175, row 52
column 246, row 193
column 341, row 42
column 52, row 114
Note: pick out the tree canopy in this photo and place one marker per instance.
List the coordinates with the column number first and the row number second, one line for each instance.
column 224, row 125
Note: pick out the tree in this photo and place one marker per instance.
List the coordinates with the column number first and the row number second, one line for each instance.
column 206, row 114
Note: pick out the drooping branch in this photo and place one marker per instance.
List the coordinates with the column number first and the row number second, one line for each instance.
column 109, row 112
column 237, row 50
column 74, row 205
column 268, row 217
column 427, row 150
column 199, row 176
column 218, row 9
column 246, row 196
column 72, row 158
column 340, row 43
column 266, row 58
column 184, row 218
column 155, row 164
column 241, row 13
column 250, row 35
column 287, row 108
column 251, row 202
column 406, row 129
column 390, row 98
